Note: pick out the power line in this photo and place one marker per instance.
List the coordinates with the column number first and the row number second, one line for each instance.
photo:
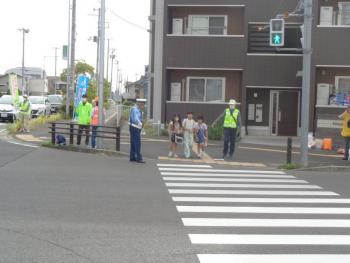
column 124, row 19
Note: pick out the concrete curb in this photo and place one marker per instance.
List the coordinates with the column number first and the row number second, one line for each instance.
column 324, row 169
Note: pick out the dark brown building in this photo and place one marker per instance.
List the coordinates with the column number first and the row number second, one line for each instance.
column 205, row 52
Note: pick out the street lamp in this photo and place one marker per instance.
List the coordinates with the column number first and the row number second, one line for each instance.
column 24, row 31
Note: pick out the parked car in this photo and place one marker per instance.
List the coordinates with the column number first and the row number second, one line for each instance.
column 40, row 106
column 9, row 111
column 56, row 102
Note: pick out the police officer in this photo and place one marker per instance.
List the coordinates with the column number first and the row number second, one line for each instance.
column 24, row 114
column 135, row 125
column 231, row 124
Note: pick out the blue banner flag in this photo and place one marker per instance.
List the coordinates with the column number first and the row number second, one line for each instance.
column 81, row 89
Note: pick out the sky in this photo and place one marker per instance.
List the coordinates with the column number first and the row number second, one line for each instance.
column 47, row 21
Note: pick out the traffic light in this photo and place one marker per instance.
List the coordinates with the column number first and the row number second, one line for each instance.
column 277, row 32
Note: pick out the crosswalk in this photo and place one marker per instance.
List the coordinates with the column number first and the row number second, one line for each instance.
column 258, row 216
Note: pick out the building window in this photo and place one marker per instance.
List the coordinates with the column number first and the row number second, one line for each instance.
column 205, row 89
column 207, row 25
column 333, row 16
column 342, row 88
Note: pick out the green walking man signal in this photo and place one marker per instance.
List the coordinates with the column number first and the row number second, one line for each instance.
column 277, row 32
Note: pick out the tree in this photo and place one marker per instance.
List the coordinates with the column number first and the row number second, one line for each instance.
column 80, row 68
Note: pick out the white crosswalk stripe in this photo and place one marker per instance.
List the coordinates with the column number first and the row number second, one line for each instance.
column 240, row 175
column 258, row 258
column 184, row 165
column 270, row 186
column 280, row 212
column 237, row 180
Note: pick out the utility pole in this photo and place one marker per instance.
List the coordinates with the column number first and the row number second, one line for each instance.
column 72, row 57
column 24, row 32
column 97, row 41
column 101, row 68
column 56, row 48
column 108, row 59
column 112, row 58
column 307, row 53
column 68, row 61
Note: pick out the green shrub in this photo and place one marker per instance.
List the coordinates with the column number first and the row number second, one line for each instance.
column 216, row 133
column 289, row 166
column 13, row 128
column 128, row 103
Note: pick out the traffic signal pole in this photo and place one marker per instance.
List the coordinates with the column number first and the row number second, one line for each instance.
column 307, row 53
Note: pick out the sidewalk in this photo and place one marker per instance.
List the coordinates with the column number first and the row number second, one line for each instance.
column 251, row 151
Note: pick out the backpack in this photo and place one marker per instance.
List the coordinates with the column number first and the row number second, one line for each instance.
column 60, row 139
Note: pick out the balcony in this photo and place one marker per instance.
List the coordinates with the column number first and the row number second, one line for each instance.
column 332, row 46
column 204, row 52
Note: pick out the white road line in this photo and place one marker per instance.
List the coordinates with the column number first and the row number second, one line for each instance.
column 243, row 222
column 227, row 175
column 169, row 169
column 264, row 210
column 251, row 192
column 289, row 258
column 184, row 165
column 227, row 239
column 2, row 130
column 23, row 144
column 269, row 186
column 261, row 200
column 242, row 180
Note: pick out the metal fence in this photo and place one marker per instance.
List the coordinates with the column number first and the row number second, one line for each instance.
column 71, row 129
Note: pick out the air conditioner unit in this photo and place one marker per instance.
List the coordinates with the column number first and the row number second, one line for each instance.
column 326, row 16
column 178, row 26
column 323, row 91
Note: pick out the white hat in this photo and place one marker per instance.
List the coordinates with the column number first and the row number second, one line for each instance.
column 141, row 100
column 233, row 102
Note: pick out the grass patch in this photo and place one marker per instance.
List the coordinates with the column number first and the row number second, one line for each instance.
column 13, row 128
column 289, row 166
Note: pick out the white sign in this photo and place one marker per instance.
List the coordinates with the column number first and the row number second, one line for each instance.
column 251, row 112
column 175, row 91
column 259, row 113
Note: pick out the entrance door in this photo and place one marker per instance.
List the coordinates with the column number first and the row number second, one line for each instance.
column 284, row 113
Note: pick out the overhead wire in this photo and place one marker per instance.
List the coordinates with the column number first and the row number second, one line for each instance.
column 110, row 10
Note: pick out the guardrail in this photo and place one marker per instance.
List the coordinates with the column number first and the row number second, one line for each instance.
column 71, row 129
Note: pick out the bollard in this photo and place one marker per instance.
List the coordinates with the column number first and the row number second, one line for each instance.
column 289, row 150
column 53, row 133
column 117, row 139
column 71, row 133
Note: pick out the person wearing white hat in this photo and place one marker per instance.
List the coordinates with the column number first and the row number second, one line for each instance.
column 231, row 124
column 135, row 127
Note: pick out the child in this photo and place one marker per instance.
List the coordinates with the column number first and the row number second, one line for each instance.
column 188, row 127
column 202, row 136
column 175, row 132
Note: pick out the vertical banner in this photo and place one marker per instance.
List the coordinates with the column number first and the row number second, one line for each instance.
column 13, row 86
column 81, row 89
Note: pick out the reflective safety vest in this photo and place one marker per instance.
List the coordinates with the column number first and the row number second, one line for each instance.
column 94, row 121
column 346, row 130
column 231, row 120
column 25, row 107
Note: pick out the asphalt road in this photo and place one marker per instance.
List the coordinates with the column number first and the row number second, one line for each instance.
column 58, row 206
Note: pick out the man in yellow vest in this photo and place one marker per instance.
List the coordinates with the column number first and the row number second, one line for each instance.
column 345, row 116
column 25, row 111
column 231, row 124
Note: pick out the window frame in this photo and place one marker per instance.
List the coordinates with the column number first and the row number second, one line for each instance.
column 191, row 17
column 337, row 80
column 223, row 88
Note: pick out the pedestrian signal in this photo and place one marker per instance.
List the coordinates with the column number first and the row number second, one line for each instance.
column 277, row 32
